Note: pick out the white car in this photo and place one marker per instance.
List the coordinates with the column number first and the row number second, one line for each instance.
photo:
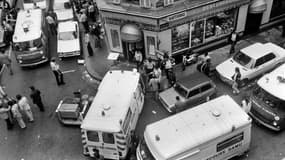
column 63, row 10
column 28, row 4
column 252, row 61
column 68, row 40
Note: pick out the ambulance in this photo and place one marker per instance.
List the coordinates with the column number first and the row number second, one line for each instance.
column 113, row 115
column 215, row 130
column 268, row 100
column 30, row 41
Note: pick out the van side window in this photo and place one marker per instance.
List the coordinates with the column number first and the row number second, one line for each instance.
column 93, row 136
column 269, row 57
column 229, row 142
column 194, row 92
column 127, row 121
column 108, row 138
column 206, row 87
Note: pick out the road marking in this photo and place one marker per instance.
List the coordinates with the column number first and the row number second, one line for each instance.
column 69, row 71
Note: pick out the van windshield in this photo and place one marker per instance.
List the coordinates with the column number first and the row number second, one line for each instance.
column 242, row 59
column 268, row 99
column 28, row 45
column 144, row 151
column 180, row 90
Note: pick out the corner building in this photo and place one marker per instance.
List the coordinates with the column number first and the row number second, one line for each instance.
column 170, row 26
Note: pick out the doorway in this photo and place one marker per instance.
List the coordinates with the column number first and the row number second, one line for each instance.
column 129, row 49
column 253, row 22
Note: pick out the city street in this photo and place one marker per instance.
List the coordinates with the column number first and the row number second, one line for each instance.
column 47, row 139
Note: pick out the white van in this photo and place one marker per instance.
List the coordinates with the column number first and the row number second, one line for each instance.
column 215, row 130
column 113, row 114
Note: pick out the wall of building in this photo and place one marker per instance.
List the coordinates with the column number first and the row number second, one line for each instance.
column 164, row 39
column 241, row 18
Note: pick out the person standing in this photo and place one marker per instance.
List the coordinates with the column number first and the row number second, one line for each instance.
column 149, row 65
column 236, row 80
column 51, row 25
column 168, row 67
column 16, row 113
column 57, row 73
column 138, row 58
column 4, row 114
column 233, row 41
column 89, row 47
column 246, row 104
column 25, row 107
column 5, row 59
column 91, row 12
column 83, row 20
column 36, row 97
column 184, row 61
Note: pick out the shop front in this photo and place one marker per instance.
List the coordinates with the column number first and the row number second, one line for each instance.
column 175, row 34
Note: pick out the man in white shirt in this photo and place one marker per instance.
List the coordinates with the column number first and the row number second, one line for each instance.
column 56, row 71
column 25, row 106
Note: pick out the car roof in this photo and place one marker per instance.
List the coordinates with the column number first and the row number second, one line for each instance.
column 258, row 50
column 67, row 26
column 193, row 80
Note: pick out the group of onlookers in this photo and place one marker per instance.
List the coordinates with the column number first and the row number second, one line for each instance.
column 14, row 110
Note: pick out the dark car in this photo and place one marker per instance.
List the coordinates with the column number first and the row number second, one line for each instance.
column 192, row 90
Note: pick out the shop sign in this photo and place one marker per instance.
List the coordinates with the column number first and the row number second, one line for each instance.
column 120, row 22
column 177, row 16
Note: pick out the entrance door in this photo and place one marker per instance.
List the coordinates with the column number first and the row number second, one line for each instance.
column 129, row 49
column 109, row 148
column 253, row 22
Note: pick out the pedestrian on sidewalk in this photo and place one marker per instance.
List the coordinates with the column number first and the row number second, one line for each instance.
column 91, row 11
column 83, row 20
column 89, row 47
column 5, row 59
column 148, row 65
column 236, row 81
column 156, row 76
column 36, row 97
column 138, row 58
column 25, row 106
column 184, row 61
column 233, row 40
column 16, row 113
column 168, row 67
column 56, row 71
column 4, row 114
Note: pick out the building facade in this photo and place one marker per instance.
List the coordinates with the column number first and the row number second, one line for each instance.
column 174, row 27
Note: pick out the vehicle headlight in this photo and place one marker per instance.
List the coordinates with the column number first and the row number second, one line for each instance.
column 41, row 52
column 20, row 61
column 276, row 118
column 275, row 123
column 43, row 57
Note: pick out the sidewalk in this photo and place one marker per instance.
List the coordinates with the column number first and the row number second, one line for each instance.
column 98, row 64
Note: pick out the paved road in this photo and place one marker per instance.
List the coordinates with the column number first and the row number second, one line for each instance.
column 46, row 139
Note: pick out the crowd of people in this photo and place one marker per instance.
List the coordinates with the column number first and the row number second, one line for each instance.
column 15, row 110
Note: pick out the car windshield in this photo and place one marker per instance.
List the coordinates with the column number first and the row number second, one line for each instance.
column 180, row 90
column 268, row 99
column 61, row 5
column 242, row 59
column 144, row 151
column 67, row 35
column 28, row 45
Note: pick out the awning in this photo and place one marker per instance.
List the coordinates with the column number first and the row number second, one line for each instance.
column 130, row 33
column 257, row 6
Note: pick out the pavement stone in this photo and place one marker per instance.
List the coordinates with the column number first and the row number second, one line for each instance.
column 98, row 64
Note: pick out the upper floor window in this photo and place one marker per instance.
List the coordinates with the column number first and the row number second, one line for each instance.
column 145, row 3
column 168, row 2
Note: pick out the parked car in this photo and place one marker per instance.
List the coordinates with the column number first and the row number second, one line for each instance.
column 63, row 10
column 29, row 4
column 192, row 90
column 68, row 39
column 252, row 61
column 268, row 100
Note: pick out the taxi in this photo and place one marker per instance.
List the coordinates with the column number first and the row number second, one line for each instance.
column 63, row 10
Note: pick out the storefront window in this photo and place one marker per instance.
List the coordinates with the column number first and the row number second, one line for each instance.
column 278, row 8
column 150, row 41
column 115, row 39
column 180, row 37
column 211, row 28
column 197, row 32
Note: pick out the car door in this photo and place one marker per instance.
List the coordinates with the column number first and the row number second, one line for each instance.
column 194, row 97
column 258, row 68
column 267, row 63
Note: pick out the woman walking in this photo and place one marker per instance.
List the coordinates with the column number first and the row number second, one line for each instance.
column 4, row 114
column 16, row 113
